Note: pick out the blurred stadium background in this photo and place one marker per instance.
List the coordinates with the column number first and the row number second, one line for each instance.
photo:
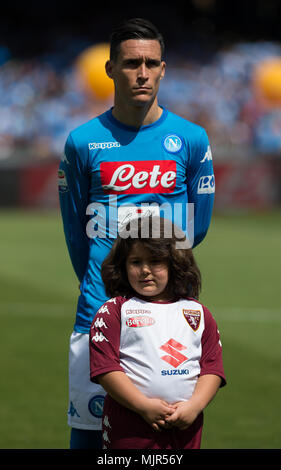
column 223, row 72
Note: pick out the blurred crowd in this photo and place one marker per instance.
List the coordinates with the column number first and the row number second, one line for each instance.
column 41, row 102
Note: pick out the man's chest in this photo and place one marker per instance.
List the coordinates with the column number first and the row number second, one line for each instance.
column 136, row 168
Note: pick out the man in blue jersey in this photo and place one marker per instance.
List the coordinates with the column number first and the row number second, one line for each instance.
column 134, row 159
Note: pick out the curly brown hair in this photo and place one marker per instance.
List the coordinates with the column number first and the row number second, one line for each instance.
column 160, row 237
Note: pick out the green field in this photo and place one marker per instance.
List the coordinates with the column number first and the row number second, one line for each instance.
column 240, row 262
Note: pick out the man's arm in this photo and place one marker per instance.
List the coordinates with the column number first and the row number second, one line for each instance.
column 201, row 186
column 73, row 196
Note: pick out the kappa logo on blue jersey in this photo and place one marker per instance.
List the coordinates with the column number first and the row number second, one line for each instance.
column 103, row 145
column 72, row 410
column 208, row 155
column 172, row 143
column 95, row 406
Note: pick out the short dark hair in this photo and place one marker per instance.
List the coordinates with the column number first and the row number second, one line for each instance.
column 184, row 274
column 135, row 28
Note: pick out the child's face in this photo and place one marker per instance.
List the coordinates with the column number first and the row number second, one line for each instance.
column 147, row 275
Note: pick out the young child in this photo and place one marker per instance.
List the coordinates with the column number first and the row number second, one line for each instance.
column 153, row 347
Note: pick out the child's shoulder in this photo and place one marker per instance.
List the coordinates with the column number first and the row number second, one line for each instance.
column 114, row 301
column 111, row 306
column 193, row 301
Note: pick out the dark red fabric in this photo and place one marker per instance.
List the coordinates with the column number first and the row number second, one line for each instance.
column 124, row 429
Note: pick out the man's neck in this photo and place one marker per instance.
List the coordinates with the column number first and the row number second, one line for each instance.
column 137, row 116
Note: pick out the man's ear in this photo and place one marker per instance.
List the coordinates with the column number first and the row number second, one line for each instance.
column 109, row 68
column 163, row 68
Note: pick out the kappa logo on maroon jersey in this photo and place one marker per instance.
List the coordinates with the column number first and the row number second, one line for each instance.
column 132, row 311
column 193, row 318
column 137, row 177
column 172, row 347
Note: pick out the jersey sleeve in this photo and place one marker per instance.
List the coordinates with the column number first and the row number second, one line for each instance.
column 104, row 340
column 73, row 197
column 211, row 359
column 201, row 185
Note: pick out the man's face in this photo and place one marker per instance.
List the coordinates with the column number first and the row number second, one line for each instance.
column 137, row 71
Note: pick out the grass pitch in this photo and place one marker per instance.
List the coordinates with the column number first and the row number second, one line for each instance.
column 240, row 261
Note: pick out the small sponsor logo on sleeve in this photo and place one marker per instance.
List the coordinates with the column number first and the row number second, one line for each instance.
column 206, row 185
column 62, row 182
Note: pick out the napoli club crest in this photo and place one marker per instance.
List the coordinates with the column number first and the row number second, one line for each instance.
column 193, row 318
column 172, row 143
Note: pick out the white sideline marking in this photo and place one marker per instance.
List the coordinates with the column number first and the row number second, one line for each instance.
column 247, row 314
column 36, row 308
column 236, row 314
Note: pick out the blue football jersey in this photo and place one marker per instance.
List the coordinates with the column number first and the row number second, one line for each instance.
column 112, row 172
